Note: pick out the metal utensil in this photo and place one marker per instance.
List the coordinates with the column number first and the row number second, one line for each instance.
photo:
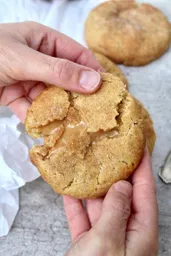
column 165, row 171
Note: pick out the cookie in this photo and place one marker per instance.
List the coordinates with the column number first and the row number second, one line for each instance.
column 111, row 67
column 90, row 141
column 148, row 128
column 127, row 32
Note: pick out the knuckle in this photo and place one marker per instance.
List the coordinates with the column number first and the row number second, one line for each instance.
column 88, row 59
column 85, row 57
column 62, row 44
column 122, row 205
column 59, row 67
column 64, row 69
column 89, row 53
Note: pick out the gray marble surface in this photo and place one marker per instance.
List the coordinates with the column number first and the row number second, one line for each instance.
column 40, row 227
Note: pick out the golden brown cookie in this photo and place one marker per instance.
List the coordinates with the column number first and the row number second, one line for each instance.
column 127, row 32
column 111, row 67
column 148, row 128
column 91, row 141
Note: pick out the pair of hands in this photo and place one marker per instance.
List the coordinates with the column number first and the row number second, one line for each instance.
column 125, row 221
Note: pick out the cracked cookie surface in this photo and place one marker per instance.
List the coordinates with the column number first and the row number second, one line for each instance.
column 99, row 141
column 127, row 32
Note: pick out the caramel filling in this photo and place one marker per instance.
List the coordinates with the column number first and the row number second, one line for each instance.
column 96, row 136
column 69, row 130
column 51, row 128
column 65, row 138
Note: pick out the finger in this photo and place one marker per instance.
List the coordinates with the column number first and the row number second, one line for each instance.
column 36, row 90
column 143, row 224
column 14, row 95
column 77, row 217
column 115, row 213
column 94, row 208
column 19, row 107
column 144, row 194
column 60, row 72
column 11, row 93
column 28, row 89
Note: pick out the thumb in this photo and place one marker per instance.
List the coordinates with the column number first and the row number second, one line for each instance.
column 115, row 213
column 56, row 71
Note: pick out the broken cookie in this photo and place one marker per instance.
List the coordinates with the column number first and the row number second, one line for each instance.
column 90, row 141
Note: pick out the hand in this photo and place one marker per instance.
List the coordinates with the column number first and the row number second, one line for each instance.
column 31, row 55
column 114, row 225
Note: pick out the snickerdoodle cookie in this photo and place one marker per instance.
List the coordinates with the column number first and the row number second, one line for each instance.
column 110, row 67
column 148, row 128
column 90, row 141
column 127, row 32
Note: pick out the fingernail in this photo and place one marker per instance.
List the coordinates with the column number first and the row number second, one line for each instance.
column 123, row 187
column 89, row 80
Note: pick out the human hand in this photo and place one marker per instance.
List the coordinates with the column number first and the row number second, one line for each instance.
column 31, row 55
column 125, row 222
